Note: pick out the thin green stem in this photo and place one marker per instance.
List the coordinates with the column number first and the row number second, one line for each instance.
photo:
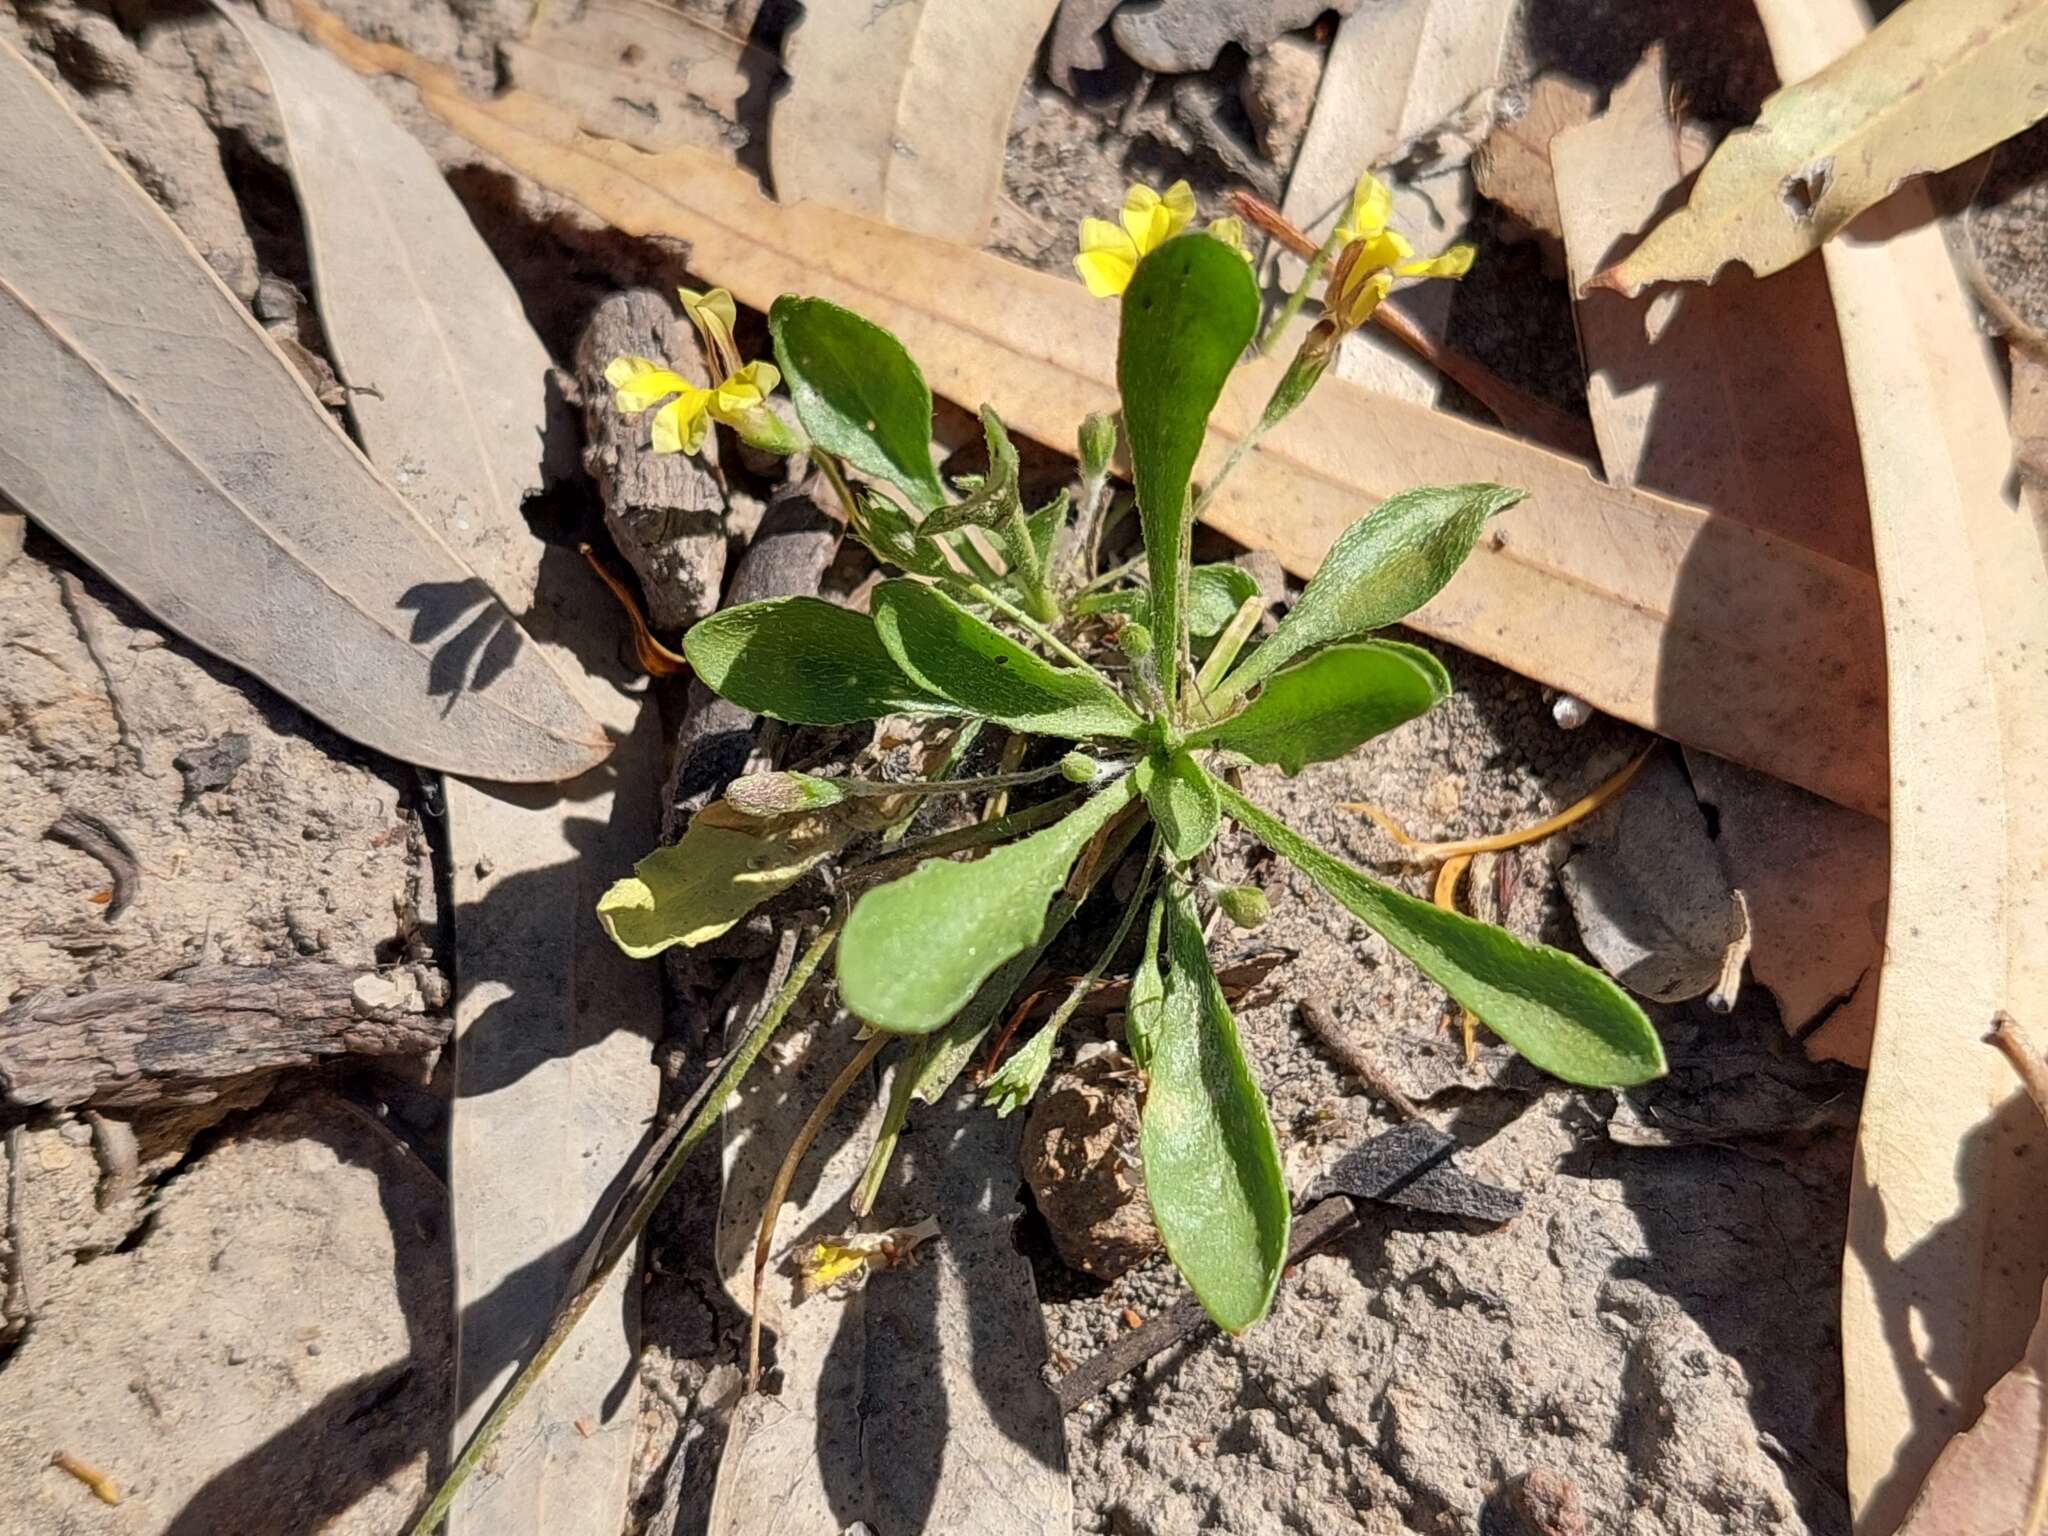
column 1229, row 643
column 956, row 751
column 1029, row 572
column 900, row 1086
column 882, row 788
column 1078, row 992
column 1038, row 631
column 1292, row 307
column 1115, row 574
column 828, row 466
column 1027, row 820
column 628, row 1232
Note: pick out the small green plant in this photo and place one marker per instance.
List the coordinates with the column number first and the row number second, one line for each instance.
column 1000, row 616
column 1147, row 681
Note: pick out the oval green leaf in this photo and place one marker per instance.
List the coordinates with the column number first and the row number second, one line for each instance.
column 957, row 656
column 1212, row 1167
column 1183, row 803
column 1381, row 569
column 1324, row 706
column 695, row 889
column 1189, row 312
column 915, row 950
column 858, row 393
column 806, row 661
column 1566, row 1017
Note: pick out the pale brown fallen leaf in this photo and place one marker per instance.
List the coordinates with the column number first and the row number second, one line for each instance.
column 1725, row 396
column 1512, row 167
column 1691, row 625
column 652, row 74
column 903, row 111
column 1816, row 878
column 1992, row 1479
column 553, row 1081
column 1937, row 82
column 1946, row 1248
column 153, row 426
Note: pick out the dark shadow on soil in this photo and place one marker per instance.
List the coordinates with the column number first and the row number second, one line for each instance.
column 318, row 1466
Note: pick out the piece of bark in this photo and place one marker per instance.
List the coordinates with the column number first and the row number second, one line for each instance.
column 666, row 511
column 187, row 1038
column 790, row 550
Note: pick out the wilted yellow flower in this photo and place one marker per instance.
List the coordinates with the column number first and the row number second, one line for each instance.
column 680, row 426
column 1373, row 255
column 1231, row 232
column 714, row 314
column 1110, row 254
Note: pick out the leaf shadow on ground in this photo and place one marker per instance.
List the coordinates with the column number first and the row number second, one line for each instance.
column 318, row 1466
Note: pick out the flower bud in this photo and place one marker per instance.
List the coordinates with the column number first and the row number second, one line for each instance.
column 1098, row 445
column 1079, row 768
column 780, row 794
column 1135, row 641
column 1244, row 905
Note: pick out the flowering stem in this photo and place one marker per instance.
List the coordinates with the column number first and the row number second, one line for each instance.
column 1292, row 307
column 709, row 1107
column 1009, row 610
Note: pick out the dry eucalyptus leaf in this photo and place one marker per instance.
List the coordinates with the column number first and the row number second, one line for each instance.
column 1649, row 609
column 153, row 426
column 553, row 1081
column 1721, row 395
column 1937, row 82
column 902, row 111
column 639, row 70
column 1946, row 1249
column 1513, row 166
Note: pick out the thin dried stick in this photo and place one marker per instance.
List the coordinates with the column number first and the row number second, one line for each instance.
column 1578, row 810
column 785, row 1176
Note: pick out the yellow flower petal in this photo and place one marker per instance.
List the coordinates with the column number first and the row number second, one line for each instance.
column 1231, row 232
column 1108, row 258
column 714, row 314
column 679, row 426
column 1455, row 262
column 641, row 381
column 744, row 391
column 1371, row 206
column 1153, row 219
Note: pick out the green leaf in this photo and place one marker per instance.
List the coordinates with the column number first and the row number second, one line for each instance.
column 858, row 393
column 886, row 529
column 1215, row 593
column 1017, row 1079
column 1189, row 312
column 1381, row 569
column 1182, row 800
column 949, row 652
column 806, row 661
column 1045, row 525
column 994, row 500
column 1323, row 707
column 915, row 950
column 1148, row 992
column 1212, row 1168
column 694, row 890
column 1566, row 1017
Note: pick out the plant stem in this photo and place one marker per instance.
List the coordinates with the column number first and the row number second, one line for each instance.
column 1029, row 572
column 828, row 466
column 1038, row 631
column 566, row 1317
column 786, row 1175
column 1292, row 307
column 1027, row 820
column 956, row 750
column 900, row 1087
column 1115, row 574
column 883, row 788
column 1229, row 643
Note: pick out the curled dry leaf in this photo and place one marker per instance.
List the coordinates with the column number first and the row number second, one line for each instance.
column 1625, row 599
column 154, row 427
column 1937, row 82
column 1947, row 1251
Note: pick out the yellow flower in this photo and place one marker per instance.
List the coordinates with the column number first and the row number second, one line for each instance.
column 681, row 425
column 1231, row 232
column 714, row 314
column 1110, row 254
column 1373, row 255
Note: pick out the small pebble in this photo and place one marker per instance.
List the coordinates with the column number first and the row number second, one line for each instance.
column 1570, row 712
